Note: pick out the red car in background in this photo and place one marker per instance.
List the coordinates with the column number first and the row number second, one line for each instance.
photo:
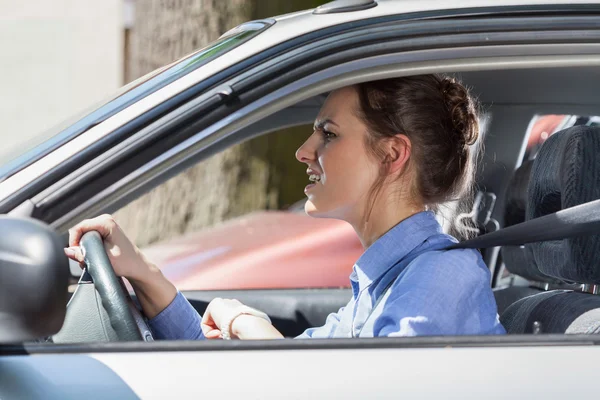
column 261, row 250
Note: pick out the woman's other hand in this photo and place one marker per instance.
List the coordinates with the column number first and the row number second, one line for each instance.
column 225, row 315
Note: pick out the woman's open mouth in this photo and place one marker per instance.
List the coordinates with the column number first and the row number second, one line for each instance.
column 314, row 178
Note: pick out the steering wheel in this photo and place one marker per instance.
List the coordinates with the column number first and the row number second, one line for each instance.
column 101, row 308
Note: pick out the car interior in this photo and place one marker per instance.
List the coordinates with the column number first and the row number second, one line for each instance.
column 545, row 297
column 554, row 289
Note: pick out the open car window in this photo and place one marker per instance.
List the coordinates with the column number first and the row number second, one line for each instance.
column 252, row 240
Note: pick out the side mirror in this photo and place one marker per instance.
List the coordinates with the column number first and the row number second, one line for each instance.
column 34, row 278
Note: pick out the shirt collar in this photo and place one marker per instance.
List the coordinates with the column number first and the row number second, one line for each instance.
column 393, row 246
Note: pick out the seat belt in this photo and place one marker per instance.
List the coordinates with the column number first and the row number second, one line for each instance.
column 583, row 219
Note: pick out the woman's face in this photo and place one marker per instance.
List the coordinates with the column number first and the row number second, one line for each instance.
column 339, row 168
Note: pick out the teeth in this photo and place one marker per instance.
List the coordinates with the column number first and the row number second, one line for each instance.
column 314, row 178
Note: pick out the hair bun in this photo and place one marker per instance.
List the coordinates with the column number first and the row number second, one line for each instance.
column 462, row 110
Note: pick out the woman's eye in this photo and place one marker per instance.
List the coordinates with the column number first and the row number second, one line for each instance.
column 328, row 135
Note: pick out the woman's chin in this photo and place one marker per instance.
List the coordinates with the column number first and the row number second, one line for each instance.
column 312, row 210
column 316, row 211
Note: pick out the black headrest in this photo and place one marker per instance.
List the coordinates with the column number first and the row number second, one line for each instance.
column 516, row 258
column 566, row 173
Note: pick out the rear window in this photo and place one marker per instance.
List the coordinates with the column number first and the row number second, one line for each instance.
column 544, row 126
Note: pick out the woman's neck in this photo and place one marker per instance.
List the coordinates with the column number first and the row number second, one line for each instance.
column 382, row 218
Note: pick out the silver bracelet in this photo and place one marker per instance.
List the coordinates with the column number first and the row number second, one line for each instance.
column 244, row 310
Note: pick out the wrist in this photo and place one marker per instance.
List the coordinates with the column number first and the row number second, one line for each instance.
column 244, row 323
column 249, row 326
column 154, row 291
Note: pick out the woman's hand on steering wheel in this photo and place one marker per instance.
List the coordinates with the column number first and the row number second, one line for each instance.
column 126, row 259
column 153, row 290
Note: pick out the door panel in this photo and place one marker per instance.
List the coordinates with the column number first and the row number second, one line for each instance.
column 353, row 372
column 291, row 310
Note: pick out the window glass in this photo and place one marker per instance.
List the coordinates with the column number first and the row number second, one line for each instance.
column 544, row 126
column 13, row 158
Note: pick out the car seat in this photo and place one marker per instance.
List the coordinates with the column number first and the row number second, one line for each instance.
column 565, row 173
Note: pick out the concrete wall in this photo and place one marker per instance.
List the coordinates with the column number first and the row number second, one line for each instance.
column 58, row 57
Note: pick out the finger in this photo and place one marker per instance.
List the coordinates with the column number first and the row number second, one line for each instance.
column 207, row 318
column 214, row 312
column 103, row 224
column 208, row 325
column 210, row 331
column 212, row 334
column 75, row 253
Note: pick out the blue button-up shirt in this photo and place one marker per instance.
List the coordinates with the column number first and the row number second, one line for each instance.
column 404, row 284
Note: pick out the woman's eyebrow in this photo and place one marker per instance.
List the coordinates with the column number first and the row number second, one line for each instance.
column 319, row 124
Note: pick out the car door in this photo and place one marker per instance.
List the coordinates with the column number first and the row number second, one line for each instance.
column 426, row 368
column 224, row 114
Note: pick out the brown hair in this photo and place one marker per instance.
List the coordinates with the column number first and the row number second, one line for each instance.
column 440, row 118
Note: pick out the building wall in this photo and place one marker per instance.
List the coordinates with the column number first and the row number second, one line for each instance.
column 58, row 57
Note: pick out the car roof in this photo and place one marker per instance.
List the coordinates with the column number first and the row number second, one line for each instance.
column 305, row 21
column 289, row 26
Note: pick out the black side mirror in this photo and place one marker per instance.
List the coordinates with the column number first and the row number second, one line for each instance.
column 34, row 278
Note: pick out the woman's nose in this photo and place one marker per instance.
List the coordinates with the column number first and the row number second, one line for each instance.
column 307, row 152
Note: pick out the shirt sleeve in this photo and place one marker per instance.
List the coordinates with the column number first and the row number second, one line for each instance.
column 325, row 331
column 178, row 321
column 442, row 293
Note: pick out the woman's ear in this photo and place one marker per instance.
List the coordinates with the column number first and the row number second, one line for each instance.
column 398, row 152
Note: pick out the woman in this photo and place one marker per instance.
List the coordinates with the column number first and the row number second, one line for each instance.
column 383, row 156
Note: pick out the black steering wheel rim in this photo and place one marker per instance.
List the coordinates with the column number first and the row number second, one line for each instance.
column 112, row 293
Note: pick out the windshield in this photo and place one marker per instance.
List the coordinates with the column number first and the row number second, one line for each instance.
column 23, row 152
